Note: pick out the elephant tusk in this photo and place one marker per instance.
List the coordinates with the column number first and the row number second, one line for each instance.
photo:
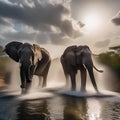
column 97, row 69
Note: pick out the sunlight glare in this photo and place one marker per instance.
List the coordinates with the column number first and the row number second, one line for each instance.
column 92, row 22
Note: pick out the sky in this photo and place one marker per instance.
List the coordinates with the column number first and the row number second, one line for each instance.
column 56, row 24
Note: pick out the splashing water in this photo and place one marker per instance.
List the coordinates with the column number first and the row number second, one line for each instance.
column 55, row 81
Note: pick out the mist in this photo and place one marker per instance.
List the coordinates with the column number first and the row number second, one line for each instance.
column 56, row 78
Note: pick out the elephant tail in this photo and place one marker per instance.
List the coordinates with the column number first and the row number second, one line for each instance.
column 97, row 69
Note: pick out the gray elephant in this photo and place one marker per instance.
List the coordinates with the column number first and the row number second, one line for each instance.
column 33, row 61
column 78, row 58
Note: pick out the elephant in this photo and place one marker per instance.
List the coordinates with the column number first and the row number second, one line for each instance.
column 77, row 58
column 33, row 60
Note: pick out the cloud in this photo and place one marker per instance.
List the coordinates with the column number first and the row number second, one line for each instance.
column 42, row 38
column 3, row 22
column 42, row 16
column 19, row 35
column 116, row 19
column 81, row 24
column 101, row 44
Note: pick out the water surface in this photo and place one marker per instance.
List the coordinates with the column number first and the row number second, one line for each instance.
column 59, row 107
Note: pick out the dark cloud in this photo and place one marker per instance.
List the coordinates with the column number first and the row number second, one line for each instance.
column 41, row 17
column 81, row 24
column 57, row 39
column 116, row 20
column 18, row 36
column 101, row 44
column 4, row 22
column 42, row 38
column 13, row 1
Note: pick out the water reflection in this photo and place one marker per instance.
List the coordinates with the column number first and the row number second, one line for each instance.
column 33, row 110
column 110, row 109
column 8, row 108
column 94, row 109
column 61, row 108
column 75, row 109
column 57, row 108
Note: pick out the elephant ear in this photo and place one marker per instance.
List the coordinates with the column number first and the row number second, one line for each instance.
column 37, row 53
column 12, row 50
column 87, row 49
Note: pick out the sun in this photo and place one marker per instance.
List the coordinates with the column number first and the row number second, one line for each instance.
column 92, row 22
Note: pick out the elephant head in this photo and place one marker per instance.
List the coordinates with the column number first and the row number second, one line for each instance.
column 37, row 53
column 27, row 55
column 81, row 52
column 82, row 55
column 17, row 51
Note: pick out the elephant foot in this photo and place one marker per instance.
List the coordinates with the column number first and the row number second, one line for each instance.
column 44, row 85
column 28, row 86
column 29, row 81
column 23, row 91
column 22, row 86
column 83, row 90
column 73, row 89
column 98, row 92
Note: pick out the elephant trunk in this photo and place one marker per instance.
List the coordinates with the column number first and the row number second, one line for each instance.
column 23, row 70
column 25, row 74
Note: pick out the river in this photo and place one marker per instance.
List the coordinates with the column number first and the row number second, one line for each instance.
column 59, row 107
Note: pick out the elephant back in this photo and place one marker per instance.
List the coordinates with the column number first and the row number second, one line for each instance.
column 45, row 55
column 69, row 49
column 12, row 50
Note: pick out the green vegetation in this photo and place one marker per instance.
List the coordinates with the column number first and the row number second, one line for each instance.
column 112, row 59
column 1, row 50
column 116, row 48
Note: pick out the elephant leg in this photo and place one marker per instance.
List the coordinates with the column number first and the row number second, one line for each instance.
column 65, row 71
column 66, row 76
column 90, row 70
column 73, row 80
column 28, row 86
column 44, row 81
column 40, row 80
column 83, row 78
column 45, row 75
column 67, row 79
column 32, row 70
